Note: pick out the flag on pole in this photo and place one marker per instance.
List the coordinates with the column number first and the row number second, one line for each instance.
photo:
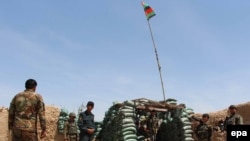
column 149, row 12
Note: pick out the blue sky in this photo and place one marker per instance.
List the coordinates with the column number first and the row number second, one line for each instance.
column 102, row 51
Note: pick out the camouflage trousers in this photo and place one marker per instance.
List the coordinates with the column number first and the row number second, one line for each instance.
column 20, row 135
column 73, row 137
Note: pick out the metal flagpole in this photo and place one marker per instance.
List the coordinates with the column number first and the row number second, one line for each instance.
column 159, row 66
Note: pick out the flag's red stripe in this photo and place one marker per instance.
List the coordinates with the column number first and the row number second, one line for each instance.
column 147, row 11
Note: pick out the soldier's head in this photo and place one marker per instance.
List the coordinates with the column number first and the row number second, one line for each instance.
column 205, row 117
column 90, row 106
column 31, row 84
column 232, row 109
column 72, row 116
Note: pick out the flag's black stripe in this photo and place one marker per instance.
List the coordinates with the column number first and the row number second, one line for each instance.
column 146, row 8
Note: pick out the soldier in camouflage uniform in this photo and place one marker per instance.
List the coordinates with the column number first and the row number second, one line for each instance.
column 70, row 128
column 25, row 109
column 204, row 131
column 233, row 118
column 152, row 125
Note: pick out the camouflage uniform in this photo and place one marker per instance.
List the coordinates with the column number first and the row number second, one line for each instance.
column 152, row 126
column 70, row 129
column 23, row 111
column 235, row 119
column 204, row 132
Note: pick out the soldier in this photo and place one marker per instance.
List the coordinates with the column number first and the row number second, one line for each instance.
column 24, row 110
column 70, row 128
column 152, row 125
column 203, row 130
column 233, row 118
column 86, row 123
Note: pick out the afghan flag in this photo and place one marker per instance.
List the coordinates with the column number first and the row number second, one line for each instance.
column 149, row 12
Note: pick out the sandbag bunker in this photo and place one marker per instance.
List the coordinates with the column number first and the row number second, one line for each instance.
column 122, row 121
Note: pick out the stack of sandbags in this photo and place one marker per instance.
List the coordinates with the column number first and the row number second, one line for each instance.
column 176, row 125
column 98, row 129
column 119, row 124
column 186, row 115
column 61, row 120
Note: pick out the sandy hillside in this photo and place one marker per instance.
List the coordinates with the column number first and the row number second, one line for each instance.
column 52, row 113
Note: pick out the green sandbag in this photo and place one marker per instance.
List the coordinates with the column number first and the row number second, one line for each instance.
column 141, row 138
column 189, row 139
column 187, row 123
column 126, row 137
column 64, row 112
column 187, row 135
column 128, row 107
column 128, row 114
column 127, row 120
column 127, row 111
column 171, row 99
column 98, row 129
column 60, row 127
column 61, row 122
column 129, row 129
column 128, row 125
column 129, row 103
column 127, row 133
column 184, row 119
column 188, row 131
column 187, row 127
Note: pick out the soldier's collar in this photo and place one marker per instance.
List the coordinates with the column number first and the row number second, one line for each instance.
column 29, row 90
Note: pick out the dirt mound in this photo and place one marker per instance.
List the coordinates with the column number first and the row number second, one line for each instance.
column 52, row 114
column 215, row 117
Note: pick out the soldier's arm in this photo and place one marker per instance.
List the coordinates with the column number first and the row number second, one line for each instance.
column 65, row 130
column 240, row 121
column 80, row 123
column 41, row 112
column 210, row 132
column 11, row 115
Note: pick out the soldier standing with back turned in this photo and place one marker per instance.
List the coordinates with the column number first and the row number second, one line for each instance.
column 70, row 128
column 25, row 109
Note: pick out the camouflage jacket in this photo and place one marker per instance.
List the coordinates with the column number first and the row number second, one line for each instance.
column 203, row 132
column 152, row 123
column 235, row 119
column 70, row 128
column 24, row 109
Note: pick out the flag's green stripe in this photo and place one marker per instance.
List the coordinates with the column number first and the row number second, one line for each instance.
column 152, row 14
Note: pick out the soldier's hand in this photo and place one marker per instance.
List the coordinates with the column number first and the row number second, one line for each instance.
column 91, row 131
column 43, row 134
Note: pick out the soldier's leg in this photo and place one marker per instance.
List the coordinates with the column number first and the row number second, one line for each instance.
column 16, row 135
column 84, row 138
column 29, row 136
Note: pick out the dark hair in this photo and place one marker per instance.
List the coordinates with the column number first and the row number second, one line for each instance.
column 30, row 83
column 90, row 103
column 232, row 107
column 205, row 115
